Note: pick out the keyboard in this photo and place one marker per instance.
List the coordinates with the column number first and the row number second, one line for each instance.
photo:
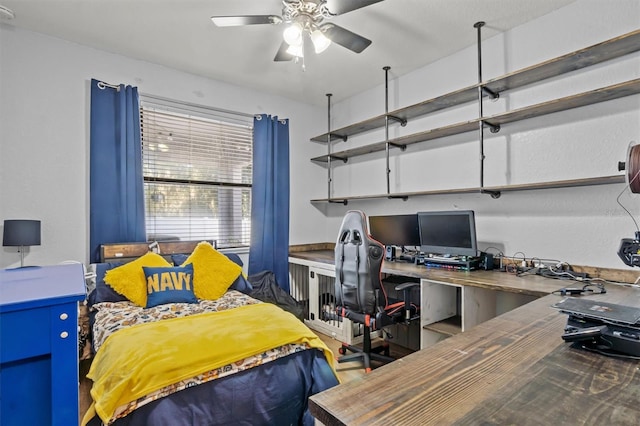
column 446, row 259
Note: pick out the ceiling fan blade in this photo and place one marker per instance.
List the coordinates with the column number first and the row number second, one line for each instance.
column 339, row 7
column 234, row 21
column 282, row 54
column 345, row 38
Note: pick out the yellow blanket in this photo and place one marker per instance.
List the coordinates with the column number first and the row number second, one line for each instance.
column 138, row 360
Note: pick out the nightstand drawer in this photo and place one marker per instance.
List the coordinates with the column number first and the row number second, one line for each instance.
column 25, row 334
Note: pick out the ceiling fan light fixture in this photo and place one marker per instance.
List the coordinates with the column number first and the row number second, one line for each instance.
column 320, row 41
column 305, row 18
column 296, row 51
column 293, row 34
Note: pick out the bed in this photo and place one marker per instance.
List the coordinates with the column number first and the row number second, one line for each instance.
column 219, row 358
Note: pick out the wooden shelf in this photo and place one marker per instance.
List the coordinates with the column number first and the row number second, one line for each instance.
column 607, row 50
column 604, row 180
column 583, row 58
column 601, row 52
column 608, row 93
column 448, row 327
column 604, row 94
column 449, row 100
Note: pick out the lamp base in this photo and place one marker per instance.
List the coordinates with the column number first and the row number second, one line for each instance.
column 21, row 250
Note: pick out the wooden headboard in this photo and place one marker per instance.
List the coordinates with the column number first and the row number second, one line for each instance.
column 130, row 251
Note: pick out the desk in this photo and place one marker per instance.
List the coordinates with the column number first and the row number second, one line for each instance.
column 511, row 369
column 39, row 344
column 493, row 280
column 451, row 301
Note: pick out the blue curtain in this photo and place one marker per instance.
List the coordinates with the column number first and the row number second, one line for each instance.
column 269, row 249
column 116, row 189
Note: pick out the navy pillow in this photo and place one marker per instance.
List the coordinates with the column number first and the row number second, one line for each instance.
column 178, row 259
column 234, row 258
column 169, row 285
column 103, row 291
column 240, row 284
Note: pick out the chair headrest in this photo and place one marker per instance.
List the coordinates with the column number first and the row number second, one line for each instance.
column 354, row 228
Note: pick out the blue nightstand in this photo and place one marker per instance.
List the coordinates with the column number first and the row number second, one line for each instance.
column 39, row 344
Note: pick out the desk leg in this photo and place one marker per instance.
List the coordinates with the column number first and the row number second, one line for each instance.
column 478, row 305
column 64, row 364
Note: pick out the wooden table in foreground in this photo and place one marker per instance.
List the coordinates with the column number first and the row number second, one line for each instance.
column 513, row 369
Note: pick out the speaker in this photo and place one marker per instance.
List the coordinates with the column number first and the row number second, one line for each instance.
column 486, row 261
column 390, row 253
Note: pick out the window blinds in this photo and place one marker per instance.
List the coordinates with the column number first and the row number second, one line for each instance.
column 197, row 167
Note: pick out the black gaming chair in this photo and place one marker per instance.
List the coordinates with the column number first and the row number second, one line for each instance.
column 360, row 295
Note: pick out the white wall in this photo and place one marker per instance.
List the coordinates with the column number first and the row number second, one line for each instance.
column 44, row 137
column 44, row 134
column 582, row 226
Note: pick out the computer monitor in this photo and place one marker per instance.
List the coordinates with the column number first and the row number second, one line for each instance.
column 448, row 233
column 395, row 230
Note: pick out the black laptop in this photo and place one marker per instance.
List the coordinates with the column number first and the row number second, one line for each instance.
column 601, row 311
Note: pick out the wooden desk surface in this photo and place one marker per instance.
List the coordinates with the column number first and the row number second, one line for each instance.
column 513, row 369
column 531, row 284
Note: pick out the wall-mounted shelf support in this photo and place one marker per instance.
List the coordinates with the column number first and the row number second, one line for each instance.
column 402, row 121
column 481, row 89
column 335, row 157
column 334, row 136
column 493, row 95
column 387, row 117
column 398, row 197
column 388, row 145
column 494, row 128
column 494, row 194
column 395, row 145
column 329, row 156
column 334, row 201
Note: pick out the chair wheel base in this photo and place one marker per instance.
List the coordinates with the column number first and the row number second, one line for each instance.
column 366, row 353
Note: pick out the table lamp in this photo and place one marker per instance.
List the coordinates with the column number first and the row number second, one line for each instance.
column 21, row 233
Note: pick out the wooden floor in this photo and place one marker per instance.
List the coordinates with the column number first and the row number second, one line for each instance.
column 85, row 388
column 354, row 369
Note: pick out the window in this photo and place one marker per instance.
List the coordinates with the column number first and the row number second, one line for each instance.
column 197, row 167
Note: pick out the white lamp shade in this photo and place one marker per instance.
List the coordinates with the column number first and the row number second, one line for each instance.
column 293, row 34
column 296, row 50
column 320, row 41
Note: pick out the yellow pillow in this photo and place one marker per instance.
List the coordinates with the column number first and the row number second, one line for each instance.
column 213, row 272
column 129, row 279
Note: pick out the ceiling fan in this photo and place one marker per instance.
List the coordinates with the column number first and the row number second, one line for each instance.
column 306, row 17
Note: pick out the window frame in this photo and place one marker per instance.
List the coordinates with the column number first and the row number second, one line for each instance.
column 232, row 229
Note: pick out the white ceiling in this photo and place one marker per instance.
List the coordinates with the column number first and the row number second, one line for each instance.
column 406, row 35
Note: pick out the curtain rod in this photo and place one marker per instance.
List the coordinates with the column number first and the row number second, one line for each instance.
column 102, row 85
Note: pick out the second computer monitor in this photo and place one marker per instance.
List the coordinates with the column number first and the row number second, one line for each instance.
column 448, row 232
column 395, row 230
